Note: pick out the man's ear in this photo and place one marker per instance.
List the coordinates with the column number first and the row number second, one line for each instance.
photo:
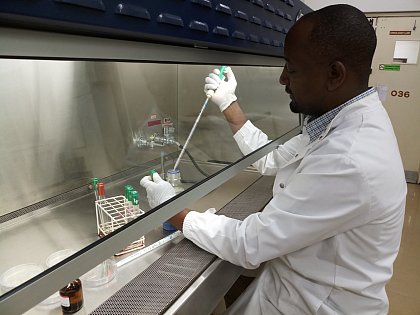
column 337, row 74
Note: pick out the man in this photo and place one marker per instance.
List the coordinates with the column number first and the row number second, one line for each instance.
column 332, row 231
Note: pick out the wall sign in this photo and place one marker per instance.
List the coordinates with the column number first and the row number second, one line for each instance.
column 396, row 93
column 399, row 32
column 389, row 67
column 406, row 51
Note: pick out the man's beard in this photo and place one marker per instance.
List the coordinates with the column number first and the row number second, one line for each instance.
column 294, row 107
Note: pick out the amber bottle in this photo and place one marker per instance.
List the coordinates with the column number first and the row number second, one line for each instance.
column 72, row 297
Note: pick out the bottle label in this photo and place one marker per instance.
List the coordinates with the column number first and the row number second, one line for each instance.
column 65, row 301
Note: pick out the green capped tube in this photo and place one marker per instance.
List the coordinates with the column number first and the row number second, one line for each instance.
column 135, row 197
column 127, row 190
column 95, row 186
column 135, row 202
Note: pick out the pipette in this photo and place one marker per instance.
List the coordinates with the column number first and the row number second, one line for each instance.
column 222, row 70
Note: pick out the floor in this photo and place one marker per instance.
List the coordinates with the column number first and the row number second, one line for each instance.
column 404, row 288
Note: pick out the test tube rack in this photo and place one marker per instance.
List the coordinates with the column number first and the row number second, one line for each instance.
column 114, row 212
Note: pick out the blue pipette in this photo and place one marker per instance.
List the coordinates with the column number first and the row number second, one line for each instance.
column 221, row 76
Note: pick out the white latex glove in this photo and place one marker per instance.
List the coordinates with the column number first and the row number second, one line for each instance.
column 222, row 92
column 158, row 190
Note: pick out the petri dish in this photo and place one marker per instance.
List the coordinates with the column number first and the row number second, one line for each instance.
column 56, row 257
column 17, row 275
column 101, row 274
column 52, row 260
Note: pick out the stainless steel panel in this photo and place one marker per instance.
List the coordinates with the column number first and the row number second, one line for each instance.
column 64, row 122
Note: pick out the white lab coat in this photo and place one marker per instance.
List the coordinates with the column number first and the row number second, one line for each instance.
column 331, row 232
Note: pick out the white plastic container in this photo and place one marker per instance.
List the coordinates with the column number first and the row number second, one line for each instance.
column 52, row 260
column 19, row 274
column 56, row 257
column 101, row 274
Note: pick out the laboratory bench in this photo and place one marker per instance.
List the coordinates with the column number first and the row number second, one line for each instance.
column 34, row 236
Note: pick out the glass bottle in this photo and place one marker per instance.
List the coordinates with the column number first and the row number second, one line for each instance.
column 174, row 178
column 71, row 297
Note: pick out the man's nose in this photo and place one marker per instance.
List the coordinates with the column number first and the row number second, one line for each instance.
column 284, row 79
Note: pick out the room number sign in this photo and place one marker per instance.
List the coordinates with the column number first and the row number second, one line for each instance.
column 396, row 93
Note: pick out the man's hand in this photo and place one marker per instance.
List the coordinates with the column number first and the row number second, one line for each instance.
column 158, row 190
column 222, row 92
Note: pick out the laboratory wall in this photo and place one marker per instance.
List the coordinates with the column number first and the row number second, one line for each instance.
column 64, row 122
column 371, row 6
column 396, row 72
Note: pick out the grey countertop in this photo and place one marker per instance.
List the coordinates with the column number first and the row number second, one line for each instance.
column 33, row 237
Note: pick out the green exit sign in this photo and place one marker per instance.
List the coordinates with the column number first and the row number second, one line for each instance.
column 390, row 67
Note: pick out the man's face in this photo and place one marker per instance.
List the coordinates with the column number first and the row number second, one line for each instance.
column 303, row 76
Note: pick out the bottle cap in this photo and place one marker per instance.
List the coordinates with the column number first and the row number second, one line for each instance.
column 95, row 183
column 130, row 195
column 127, row 191
column 168, row 227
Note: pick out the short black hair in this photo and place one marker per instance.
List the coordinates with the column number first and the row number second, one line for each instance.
column 343, row 33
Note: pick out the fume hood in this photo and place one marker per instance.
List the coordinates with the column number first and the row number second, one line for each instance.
column 111, row 89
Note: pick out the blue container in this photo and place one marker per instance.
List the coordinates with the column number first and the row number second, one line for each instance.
column 168, row 227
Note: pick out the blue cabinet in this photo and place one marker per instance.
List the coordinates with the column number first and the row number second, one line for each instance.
column 249, row 26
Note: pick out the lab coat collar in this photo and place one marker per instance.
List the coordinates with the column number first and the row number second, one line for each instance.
column 363, row 105
column 315, row 126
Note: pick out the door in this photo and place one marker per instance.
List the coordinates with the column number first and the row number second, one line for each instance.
column 396, row 73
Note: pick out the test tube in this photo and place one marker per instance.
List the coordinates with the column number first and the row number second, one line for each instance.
column 135, row 201
column 127, row 191
column 101, row 191
column 95, row 187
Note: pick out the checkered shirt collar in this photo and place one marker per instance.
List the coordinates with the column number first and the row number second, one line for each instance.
column 315, row 126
